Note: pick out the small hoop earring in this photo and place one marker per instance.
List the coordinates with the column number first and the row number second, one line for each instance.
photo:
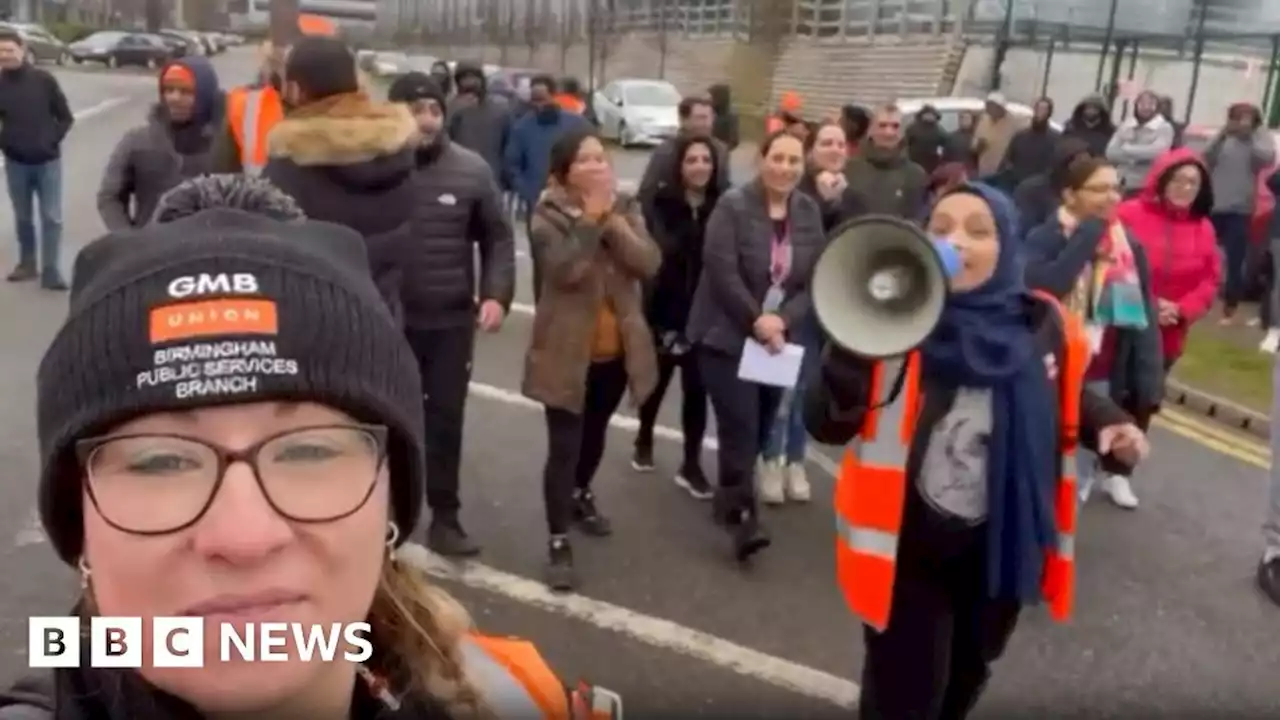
column 85, row 573
column 393, row 537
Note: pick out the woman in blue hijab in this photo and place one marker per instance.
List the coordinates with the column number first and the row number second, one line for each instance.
column 982, row 467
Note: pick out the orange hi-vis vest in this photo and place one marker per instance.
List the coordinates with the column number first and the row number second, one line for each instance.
column 516, row 682
column 252, row 113
column 872, row 487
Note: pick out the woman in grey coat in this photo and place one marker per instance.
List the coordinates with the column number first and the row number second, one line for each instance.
column 175, row 144
column 761, row 242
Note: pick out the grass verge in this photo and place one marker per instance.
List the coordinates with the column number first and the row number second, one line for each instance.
column 1225, row 363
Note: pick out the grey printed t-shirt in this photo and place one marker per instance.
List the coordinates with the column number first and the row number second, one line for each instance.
column 953, row 474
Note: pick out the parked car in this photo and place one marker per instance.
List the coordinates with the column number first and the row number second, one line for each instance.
column 180, row 43
column 950, row 108
column 390, row 64
column 41, row 45
column 637, row 111
column 117, row 49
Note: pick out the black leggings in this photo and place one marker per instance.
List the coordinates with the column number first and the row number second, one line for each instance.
column 693, row 405
column 575, row 442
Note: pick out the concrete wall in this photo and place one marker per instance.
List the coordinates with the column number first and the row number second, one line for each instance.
column 1223, row 81
column 827, row 75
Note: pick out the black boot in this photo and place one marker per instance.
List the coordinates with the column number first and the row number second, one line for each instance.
column 446, row 537
column 1269, row 579
column 735, row 508
column 642, row 458
column 588, row 517
column 23, row 272
column 560, row 574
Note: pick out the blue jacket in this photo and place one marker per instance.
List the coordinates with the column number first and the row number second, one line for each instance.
column 527, row 156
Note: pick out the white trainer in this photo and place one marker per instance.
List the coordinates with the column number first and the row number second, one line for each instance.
column 798, row 488
column 772, row 491
column 1121, row 492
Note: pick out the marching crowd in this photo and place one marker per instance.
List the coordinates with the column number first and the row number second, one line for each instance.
column 1086, row 255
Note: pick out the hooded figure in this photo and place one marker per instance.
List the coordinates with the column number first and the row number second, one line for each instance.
column 725, row 127
column 1139, row 141
column 1173, row 226
column 1038, row 196
column 1091, row 122
column 175, row 144
column 443, row 76
column 1241, row 151
column 1032, row 148
column 971, row 505
column 927, row 140
column 479, row 121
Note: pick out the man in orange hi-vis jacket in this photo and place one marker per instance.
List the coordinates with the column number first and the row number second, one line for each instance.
column 253, row 110
column 938, row 561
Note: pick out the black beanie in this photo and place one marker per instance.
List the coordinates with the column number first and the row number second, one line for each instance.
column 413, row 86
column 154, row 310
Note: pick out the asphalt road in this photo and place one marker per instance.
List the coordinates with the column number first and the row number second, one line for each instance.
column 1168, row 622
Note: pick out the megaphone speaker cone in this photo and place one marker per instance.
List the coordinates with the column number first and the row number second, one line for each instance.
column 879, row 287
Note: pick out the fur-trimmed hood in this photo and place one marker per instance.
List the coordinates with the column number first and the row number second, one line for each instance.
column 343, row 130
column 357, row 143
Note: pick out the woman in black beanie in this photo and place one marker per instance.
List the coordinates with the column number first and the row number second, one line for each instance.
column 245, row 446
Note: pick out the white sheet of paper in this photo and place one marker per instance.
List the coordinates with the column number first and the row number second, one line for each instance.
column 758, row 365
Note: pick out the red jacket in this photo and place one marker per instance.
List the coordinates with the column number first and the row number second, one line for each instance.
column 1181, row 246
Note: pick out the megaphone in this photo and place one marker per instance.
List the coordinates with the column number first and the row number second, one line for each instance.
column 880, row 286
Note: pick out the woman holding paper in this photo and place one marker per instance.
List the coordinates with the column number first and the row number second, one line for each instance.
column 761, row 243
column 591, row 342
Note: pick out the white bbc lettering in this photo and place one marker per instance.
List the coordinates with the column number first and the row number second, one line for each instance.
column 115, row 642
column 273, row 638
column 357, row 634
column 177, row 642
column 213, row 284
column 53, row 642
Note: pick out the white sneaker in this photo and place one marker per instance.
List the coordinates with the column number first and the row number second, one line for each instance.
column 1121, row 492
column 797, row 483
column 1270, row 343
column 771, row 482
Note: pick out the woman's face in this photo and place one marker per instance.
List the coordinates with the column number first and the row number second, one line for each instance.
column 781, row 166
column 242, row 562
column 1097, row 197
column 965, row 220
column 1146, row 106
column 828, row 151
column 1183, row 186
column 697, row 166
column 590, row 166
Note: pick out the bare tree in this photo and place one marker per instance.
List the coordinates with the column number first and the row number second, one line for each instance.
column 283, row 16
column 533, row 31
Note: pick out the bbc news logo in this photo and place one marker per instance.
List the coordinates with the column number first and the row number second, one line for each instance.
column 179, row 642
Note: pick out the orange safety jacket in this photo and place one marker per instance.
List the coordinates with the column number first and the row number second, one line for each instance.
column 872, row 487
column 516, row 682
column 252, row 113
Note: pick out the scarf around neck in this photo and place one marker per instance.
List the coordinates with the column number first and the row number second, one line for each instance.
column 985, row 340
column 1109, row 291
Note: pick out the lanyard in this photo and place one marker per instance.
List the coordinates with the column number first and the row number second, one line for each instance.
column 779, row 255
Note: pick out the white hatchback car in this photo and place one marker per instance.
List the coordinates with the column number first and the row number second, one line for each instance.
column 636, row 111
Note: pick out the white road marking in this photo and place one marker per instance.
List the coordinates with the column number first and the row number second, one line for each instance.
column 626, row 422
column 653, row 631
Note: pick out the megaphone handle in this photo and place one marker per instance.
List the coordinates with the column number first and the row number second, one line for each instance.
column 899, row 382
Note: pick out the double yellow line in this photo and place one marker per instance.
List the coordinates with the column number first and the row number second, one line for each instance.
column 1245, row 448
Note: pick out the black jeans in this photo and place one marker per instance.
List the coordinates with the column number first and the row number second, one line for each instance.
column 444, row 361
column 693, row 405
column 744, row 415
column 933, row 661
column 575, row 442
column 1233, row 239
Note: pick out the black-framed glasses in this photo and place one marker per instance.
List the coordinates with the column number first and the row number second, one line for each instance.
column 159, row 483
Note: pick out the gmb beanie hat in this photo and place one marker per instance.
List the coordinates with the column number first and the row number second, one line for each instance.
column 156, row 312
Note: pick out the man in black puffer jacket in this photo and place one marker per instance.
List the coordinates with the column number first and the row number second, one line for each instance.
column 345, row 158
column 458, row 207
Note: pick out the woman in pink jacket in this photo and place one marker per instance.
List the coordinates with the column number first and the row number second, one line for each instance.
column 1170, row 217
